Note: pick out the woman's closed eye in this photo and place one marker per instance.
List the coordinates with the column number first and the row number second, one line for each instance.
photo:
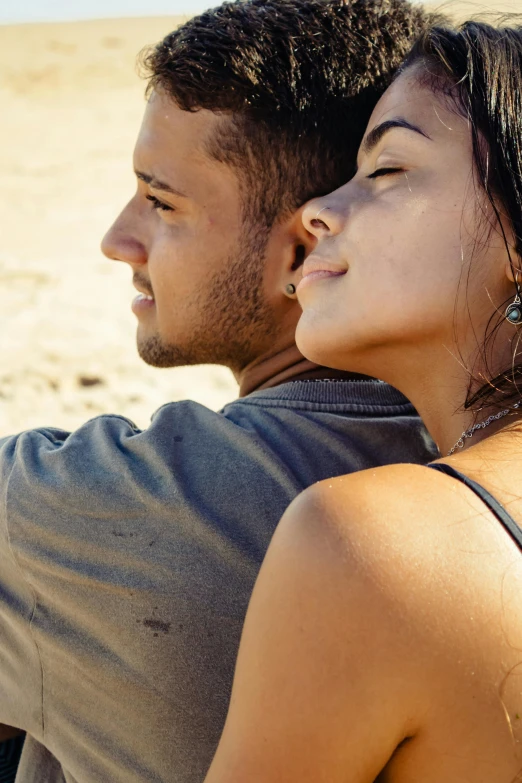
column 384, row 171
column 157, row 204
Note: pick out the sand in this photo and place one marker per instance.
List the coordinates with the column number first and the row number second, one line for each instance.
column 71, row 108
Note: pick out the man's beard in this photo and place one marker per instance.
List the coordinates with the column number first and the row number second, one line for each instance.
column 233, row 323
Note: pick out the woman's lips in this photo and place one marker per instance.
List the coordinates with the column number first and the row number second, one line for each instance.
column 319, row 274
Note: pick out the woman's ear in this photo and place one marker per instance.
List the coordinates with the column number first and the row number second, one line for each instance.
column 513, row 268
column 509, row 246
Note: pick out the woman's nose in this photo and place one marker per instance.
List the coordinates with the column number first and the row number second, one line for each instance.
column 121, row 244
column 321, row 218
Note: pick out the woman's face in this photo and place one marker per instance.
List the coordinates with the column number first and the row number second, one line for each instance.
column 391, row 265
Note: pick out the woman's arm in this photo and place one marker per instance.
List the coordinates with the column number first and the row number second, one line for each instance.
column 322, row 690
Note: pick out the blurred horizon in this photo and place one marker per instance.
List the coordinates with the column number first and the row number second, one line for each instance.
column 36, row 11
column 42, row 11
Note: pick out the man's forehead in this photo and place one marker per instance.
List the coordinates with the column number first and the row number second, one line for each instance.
column 173, row 153
column 168, row 131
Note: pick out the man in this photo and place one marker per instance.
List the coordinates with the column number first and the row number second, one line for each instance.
column 128, row 557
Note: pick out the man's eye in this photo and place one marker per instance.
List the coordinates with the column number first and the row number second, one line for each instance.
column 157, row 204
column 383, row 172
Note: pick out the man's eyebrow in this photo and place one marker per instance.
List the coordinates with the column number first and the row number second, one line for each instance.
column 158, row 184
column 376, row 134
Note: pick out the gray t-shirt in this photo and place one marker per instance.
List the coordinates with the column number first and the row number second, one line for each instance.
column 127, row 559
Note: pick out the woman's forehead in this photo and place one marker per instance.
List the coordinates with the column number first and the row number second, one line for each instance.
column 410, row 99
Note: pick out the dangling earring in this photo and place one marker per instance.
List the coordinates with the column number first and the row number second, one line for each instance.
column 290, row 289
column 513, row 312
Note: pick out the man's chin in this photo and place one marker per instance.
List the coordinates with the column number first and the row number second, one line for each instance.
column 154, row 352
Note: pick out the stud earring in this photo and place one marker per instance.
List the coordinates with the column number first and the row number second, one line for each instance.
column 513, row 312
column 290, row 289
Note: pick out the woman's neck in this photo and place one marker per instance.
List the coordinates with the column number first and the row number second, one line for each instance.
column 437, row 384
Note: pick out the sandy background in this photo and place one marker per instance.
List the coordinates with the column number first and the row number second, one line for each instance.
column 71, row 108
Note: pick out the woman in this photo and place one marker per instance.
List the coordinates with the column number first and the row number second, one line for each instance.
column 384, row 637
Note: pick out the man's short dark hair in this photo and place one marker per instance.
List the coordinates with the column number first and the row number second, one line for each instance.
column 296, row 81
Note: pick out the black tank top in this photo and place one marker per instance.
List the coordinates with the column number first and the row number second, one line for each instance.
column 494, row 506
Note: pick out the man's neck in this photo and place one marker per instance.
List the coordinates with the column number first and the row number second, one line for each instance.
column 283, row 367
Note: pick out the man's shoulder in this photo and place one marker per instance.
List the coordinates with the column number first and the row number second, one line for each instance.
column 186, row 449
column 103, row 455
column 110, row 431
column 285, row 438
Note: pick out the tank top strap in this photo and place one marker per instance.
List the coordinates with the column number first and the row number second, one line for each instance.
column 487, row 498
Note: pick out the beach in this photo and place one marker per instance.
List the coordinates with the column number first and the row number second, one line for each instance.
column 72, row 105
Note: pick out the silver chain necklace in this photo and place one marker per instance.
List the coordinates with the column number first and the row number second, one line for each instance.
column 481, row 426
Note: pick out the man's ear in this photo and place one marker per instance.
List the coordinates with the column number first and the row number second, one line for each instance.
column 300, row 255
column 295, row 244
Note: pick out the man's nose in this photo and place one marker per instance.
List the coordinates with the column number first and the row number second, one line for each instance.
column 120, row 243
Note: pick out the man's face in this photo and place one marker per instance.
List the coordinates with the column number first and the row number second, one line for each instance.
column 199, row 268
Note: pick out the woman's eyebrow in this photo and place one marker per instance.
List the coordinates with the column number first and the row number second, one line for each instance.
column 376, row 134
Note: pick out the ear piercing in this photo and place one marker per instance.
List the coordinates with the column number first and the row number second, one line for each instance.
column 290, row 289
column 513, row 312
column 321, row 210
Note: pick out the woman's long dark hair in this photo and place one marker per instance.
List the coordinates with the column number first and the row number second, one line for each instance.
column 479, row 67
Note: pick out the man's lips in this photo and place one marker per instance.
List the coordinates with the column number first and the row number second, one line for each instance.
column 142, row 303
column 145, row 298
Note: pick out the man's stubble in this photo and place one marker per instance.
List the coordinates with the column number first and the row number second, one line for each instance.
column 232, row 322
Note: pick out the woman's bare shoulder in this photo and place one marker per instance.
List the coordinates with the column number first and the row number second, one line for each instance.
column 389, row 494
column 378, row 529
column 400, row 527
column 404, row 498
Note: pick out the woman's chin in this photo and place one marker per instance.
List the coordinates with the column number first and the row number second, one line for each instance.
column 314, row 344
column 348, row 349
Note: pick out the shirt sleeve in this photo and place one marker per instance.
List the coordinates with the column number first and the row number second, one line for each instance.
column 20, row 671
column 51, row 482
